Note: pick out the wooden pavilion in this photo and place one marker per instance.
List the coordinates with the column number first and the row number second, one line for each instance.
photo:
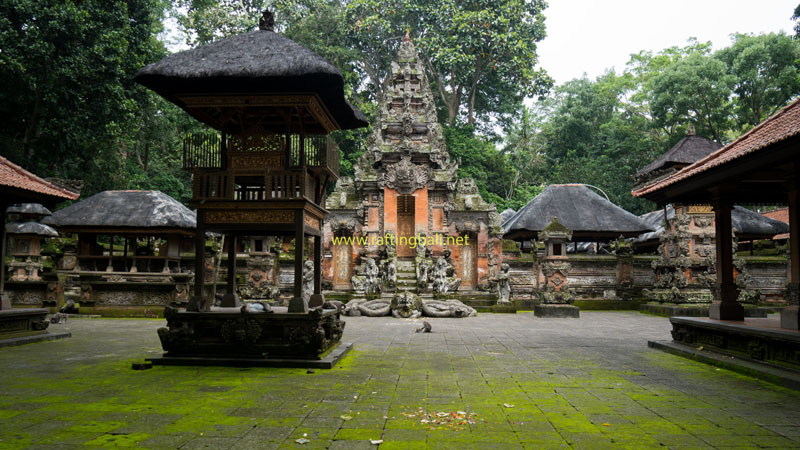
column 272, row 102
column 17, row 185
column 760, row 167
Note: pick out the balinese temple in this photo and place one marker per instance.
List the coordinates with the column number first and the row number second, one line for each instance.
column 406, row 187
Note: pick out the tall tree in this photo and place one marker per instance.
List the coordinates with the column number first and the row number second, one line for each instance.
column 765, row 73
column 68, row 105
column 480, row 54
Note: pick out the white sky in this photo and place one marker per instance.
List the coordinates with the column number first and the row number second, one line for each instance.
column 593, row 35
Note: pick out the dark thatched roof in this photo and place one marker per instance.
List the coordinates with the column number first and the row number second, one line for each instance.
column 260, row 62
column 125, row 210
column 506, row 214
column 688, row 150
column 33, row 209
column 747, row 223
column 588, row 215
column 36, row 228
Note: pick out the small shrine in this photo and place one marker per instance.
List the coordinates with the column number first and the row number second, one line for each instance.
column 405, row 221
column 263, row 172
column 555, row 295
column 27, row 236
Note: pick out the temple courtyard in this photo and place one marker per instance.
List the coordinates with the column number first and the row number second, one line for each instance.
column 493, row 381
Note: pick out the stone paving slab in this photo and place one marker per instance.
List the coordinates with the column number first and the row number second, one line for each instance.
column 491, row 382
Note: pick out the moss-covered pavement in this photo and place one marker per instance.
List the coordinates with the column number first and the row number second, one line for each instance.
column 495, row 381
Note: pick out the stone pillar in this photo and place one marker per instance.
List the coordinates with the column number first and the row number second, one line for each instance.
column 298, row 303
column 725, row 305
column 231, row 299
column 790, row 315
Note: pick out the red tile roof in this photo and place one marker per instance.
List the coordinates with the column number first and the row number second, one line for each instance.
column 14, row 176
column 782, row 215
column 782, row 125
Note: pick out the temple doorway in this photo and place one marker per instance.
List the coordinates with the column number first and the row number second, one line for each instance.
column 343, row 253
column 468, row 262
column 405, row 225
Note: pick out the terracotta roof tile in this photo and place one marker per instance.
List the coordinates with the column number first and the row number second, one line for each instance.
column 782, row 125
column 14, row 176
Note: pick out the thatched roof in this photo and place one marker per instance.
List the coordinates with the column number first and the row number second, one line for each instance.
column 506, row 214
column 747, row 223
column 32, row 209
column 125, row 211
column 587, row 214
column 688, row 150
column 260, row 62
column 36, row 228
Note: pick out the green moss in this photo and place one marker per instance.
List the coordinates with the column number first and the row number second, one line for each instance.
column 608, row 305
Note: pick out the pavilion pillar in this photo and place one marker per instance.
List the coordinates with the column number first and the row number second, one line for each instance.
column 317, row 299
column 196, row 302
column 790, row 315
column 725, row 305
column 231, row 299
column 5, row 301
column 298, row 304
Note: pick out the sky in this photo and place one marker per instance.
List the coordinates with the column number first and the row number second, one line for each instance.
column 590, row 36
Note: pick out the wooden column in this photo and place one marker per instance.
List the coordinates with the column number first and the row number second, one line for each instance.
column 5, row 302
column 790, row 315
column 317, row 299
column 725, row 305
column 196, row 302
column 298, row 304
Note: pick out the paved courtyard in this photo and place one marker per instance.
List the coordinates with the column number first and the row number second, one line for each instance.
column 495, row 381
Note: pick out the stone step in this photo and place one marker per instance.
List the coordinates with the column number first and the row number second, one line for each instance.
column 475, row 303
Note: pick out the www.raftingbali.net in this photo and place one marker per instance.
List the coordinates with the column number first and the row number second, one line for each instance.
column 411, row 241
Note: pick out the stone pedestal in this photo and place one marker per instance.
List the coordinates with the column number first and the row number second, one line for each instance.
column 230, row 301
column 228, row 334
column 298, row 305
column 560, row 311
column 23, row 326
column 725, row 306
column 316, row 300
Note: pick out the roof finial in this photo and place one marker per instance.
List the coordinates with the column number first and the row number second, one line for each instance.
column 691, row 129
column 407, row 38
column 267, row 21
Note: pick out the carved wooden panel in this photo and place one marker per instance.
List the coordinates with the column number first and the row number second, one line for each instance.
column 256, row 161
column 342, row 270
column 244, row 216
column 468, row 262
column 311, row 221
column 405, row 225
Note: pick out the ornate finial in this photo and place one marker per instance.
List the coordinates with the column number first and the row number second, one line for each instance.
column 407, row 38
column 691, row 129
column 267, row 21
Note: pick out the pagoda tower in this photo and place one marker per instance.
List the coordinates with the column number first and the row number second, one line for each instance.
column 406, row 186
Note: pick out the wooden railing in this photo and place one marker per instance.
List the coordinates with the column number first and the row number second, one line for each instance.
column 202, row 151
column 270, row 186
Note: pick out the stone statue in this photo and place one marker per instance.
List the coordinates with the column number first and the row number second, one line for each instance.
column 423, row 269
column 372, row 273
column 503, row 285
column 442, row 281
column 308, row 278
column 450, row 308
column 391, row 273
column 406, row 305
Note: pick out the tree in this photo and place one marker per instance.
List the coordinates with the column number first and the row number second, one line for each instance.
column 696, row 89
column 765, row 71
column 69, row 105
column 480, row 55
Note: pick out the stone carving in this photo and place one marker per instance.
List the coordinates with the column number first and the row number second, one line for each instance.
column 442, row 282
column 308, row 278
column 369, row 282
column 406, row 305
column 240, row 331
column 503, row 285
column 405, row 176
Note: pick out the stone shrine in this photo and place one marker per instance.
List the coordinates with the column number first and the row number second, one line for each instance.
column 406, row 212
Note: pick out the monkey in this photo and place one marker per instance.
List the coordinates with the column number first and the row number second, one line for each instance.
column 425, row 328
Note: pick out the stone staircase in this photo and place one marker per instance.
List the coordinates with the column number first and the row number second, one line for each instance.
column 406, row 276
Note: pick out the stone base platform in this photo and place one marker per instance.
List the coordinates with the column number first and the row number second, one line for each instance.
column 328, row 362
column 227, row 335
column 25, row 326
column 755, row 339
column 507, row 308
column 670, row 310
column 559, row 311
